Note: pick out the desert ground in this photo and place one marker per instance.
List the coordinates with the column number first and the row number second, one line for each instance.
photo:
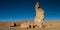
column 50, row 25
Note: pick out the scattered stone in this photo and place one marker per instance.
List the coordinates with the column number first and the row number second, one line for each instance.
column 13, row 25
column 29, row 26
column 33, row 26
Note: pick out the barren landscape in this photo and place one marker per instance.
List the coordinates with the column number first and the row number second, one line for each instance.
column 13, row 11
column 50, row 25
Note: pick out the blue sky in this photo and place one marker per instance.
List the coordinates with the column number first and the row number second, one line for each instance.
column 18, row 10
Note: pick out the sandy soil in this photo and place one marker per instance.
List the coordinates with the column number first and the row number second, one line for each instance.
column 49, row 26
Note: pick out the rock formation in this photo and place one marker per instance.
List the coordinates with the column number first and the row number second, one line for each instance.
column 38, row 20
column 13, row 25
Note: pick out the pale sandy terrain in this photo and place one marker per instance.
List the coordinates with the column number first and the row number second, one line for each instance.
column 49, row 26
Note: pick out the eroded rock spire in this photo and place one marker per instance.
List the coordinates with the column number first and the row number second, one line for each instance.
column 38, row 20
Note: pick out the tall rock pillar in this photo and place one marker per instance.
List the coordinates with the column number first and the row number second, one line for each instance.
column 38, row 20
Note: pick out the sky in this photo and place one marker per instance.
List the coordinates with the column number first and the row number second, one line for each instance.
column 19, row 10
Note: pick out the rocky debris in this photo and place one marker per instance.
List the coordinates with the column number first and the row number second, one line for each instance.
column 13, row 25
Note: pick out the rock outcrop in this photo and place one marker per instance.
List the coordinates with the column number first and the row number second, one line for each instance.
column 38, row 20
